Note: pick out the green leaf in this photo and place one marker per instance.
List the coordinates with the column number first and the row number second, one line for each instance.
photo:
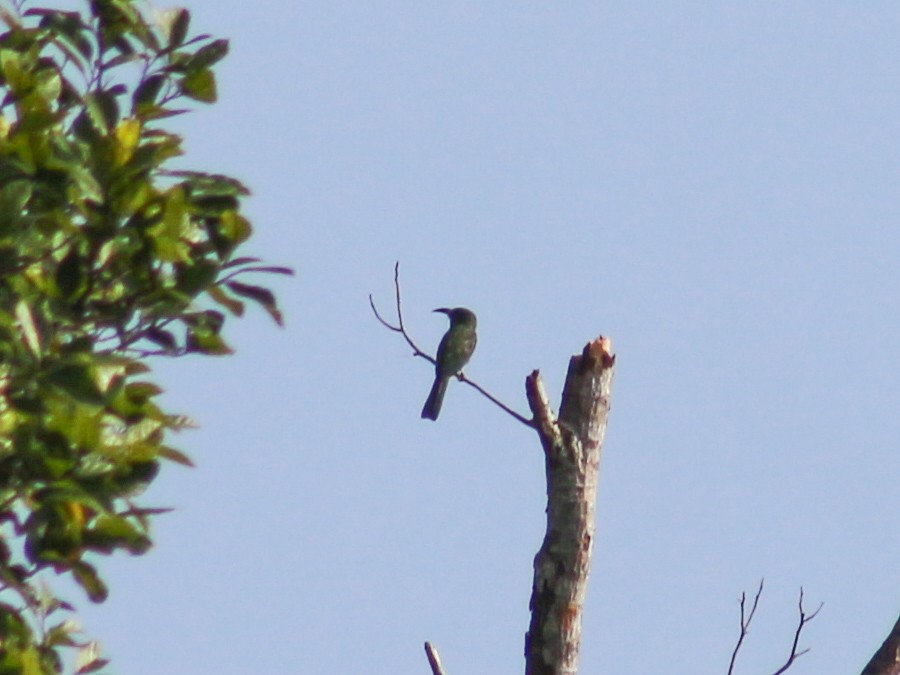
column 236, row 307
column 152, row 154
column 194, row 279
column 76, row 379
column 12, row 68
column 231, row 229
column 169, row 234
column 142, row 391
column 208, row 184
column 103, row 254
column 28, row 327
column 234, row 262
column 127, row 56
column 111, row 532
column 15, row 195
column 179, row 27
column 208, row 320
column 203, row 333
column 92, row 667
column 103, row 110
column 48, row 84
column 146, row 92
column 200, row 85
column 70, row 277
column 81, row 426
column 161, row 337
column 127, row 135
column 209, row 54
column 203, row 342
column 87, row 577
column 175, row 456
column 202, row 59
column 163, row 113
column 271, row 269
column 31, row 662
column 60, row 635
column 87, row 185
column 263, row 296
column 139, row 475
column 69, row 495
column 213, row 205
column 68, row 27
column 13, row 198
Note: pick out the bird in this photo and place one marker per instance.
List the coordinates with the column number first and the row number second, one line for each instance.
column 453, row 353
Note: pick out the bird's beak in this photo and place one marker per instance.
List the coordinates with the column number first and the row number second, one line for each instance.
column 443, row 310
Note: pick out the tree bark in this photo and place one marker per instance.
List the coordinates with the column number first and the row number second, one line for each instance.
column 886, row 660
column 572, row 446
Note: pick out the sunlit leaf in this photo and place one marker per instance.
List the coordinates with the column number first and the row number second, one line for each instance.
column 111, row 532
column 199, row 182
column 29, row 329
column 128, row 134
column 107, row 256
column 103, row 110
column 88, row 659
column 61, row 635
column 200, row 85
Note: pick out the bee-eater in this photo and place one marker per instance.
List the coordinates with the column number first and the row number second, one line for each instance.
column 453, row 353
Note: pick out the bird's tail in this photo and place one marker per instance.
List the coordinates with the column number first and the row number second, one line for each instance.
column 432, row 407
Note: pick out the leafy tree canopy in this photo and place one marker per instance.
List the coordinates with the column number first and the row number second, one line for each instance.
column 107, row 256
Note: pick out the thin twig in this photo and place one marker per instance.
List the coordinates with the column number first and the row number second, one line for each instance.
column 524, row 420
column 401, row 328
column 745, row 623
column 434, row 659
column 804, row 619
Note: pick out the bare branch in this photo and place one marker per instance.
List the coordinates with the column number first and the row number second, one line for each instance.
column 747, row 618
column 524, row 420
column 804, row 619
column 400, row 328
column 745, row 622
column 434, row 659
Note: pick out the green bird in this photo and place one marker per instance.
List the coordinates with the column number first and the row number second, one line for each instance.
column 453, row 353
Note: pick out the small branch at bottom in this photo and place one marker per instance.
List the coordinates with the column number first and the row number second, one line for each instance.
column 804, row 619
column 434, row 659
column 746, row 619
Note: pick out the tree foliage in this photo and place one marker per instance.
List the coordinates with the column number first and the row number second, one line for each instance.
column 107, row 256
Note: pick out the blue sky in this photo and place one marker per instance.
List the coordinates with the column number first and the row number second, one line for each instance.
column 713, row 185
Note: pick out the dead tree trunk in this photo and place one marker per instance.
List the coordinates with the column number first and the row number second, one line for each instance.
column 572, row 446
column 886, row 660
